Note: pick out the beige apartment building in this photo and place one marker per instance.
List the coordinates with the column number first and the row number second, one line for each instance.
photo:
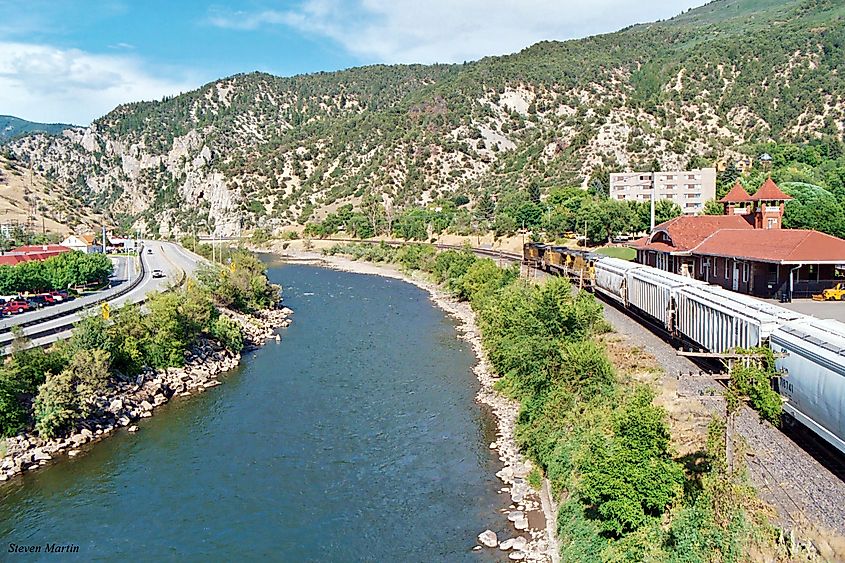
column 688, row 188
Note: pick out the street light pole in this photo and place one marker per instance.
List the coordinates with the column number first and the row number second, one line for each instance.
column 652, row 203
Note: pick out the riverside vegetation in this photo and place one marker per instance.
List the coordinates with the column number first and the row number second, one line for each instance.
column 54, row 390
column 597, row 435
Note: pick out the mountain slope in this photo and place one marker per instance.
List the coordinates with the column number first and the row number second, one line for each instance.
column 11, row 127
column 256, row 149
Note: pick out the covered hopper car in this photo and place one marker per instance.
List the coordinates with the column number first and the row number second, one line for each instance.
column 717, row 320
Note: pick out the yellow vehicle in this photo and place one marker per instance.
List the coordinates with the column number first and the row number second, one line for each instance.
column 835, row 293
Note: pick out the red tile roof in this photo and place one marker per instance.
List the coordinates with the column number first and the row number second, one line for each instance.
column 32, row 252
column 774, row 245
column 687, row 232
column 13, row 259
column 770, row 191
column 53, row 248
column 736, row 195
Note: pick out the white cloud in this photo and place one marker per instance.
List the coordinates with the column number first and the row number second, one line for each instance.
column 411, row 31
column 48, row 84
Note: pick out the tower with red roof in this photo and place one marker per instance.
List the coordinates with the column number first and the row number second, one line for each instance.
column 737, row 201
column 769, row 203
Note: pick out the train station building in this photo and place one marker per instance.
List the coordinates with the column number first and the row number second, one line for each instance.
column 746, row 250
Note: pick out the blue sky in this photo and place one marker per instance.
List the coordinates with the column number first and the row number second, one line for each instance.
column 75, row 60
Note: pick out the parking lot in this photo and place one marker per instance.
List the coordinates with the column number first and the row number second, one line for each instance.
column 820, row 309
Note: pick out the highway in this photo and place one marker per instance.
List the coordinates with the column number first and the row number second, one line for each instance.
column 125, row 271
column 44, row 327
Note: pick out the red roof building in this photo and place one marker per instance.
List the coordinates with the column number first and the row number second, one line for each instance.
column 49, row 248
column 745, row 249
column 32, row 252
column 736, row 195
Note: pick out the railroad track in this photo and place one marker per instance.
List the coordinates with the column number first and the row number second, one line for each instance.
column 486, row 252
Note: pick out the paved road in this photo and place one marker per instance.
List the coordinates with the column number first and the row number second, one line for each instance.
column 173, row 261
column 820, row 309
column 125, row 271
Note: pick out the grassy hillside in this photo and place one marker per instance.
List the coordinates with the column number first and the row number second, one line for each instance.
column 11, row 127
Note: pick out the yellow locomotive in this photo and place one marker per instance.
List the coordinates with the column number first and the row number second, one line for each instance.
column 576, row 264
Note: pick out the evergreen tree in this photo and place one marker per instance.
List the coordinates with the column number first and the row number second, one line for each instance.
column 534, row 192
column 485, row 207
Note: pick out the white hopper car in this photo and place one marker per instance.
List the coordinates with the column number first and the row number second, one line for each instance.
column 718, row 320
column 814, row 382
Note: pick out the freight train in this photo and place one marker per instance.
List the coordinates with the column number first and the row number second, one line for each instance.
column 810, row 352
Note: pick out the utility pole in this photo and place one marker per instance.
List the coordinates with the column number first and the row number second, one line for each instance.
column 585, row 233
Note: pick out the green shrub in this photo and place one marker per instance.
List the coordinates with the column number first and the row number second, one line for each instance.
column 450, row 265
column 628, row 477
column 416, row 257
column 66, row 397
column 242, row 284
column 228, row 333
column 753, row 379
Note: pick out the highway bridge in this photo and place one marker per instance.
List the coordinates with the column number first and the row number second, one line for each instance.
column 132, row 282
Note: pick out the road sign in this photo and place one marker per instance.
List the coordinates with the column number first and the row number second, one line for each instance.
column 106, row 311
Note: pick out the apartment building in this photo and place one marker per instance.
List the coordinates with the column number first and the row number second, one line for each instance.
column 688, row 188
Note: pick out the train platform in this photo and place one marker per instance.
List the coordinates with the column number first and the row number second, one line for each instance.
column 819, row 309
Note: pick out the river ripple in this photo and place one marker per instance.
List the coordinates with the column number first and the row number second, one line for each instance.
column 354, row 438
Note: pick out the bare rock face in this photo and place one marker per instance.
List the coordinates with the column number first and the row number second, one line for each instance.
column 488, row 538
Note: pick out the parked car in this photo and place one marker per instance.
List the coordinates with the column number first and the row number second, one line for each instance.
column 16, row 307
column 40, row 300
column 61, row 295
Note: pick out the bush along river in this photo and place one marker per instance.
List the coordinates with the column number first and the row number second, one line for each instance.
column 355, row 437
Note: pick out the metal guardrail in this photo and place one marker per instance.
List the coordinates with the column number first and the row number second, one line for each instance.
column 82, row 307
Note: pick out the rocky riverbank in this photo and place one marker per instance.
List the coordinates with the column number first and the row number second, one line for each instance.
column 128, row 401
column 532, row 520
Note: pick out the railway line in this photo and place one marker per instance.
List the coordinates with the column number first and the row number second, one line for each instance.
column 795, row 471
column 798, row 472
column 800, row 469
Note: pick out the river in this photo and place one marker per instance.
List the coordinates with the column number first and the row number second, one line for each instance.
column 354, row 438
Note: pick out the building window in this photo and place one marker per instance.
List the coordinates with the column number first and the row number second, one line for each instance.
column 745, row 267
column 715, row 267
column 727, row 269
